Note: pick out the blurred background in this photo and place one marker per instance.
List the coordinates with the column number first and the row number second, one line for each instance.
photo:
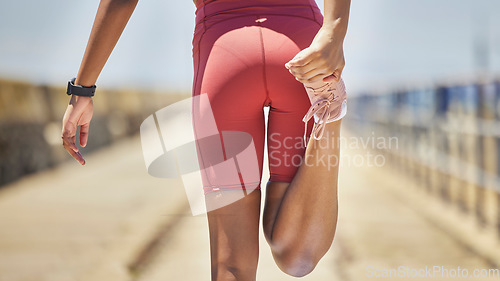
column 419, row 184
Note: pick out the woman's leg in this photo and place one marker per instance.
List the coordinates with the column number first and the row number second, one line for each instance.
column 300, row 217
column 300, row 213
column 234, row 236
column 229, row 71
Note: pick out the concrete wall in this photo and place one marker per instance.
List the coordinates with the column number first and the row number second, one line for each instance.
column 30, row 123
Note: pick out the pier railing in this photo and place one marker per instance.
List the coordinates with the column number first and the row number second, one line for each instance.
column 449, row 141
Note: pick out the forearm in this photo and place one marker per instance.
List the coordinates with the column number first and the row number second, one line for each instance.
column 336, row 16
column 111, row 18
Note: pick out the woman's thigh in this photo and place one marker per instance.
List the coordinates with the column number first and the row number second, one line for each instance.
column 228, row 70
column 289, row 100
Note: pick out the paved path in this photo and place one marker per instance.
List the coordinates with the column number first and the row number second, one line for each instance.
column 83, row 223
column 377, row 230
column 95, row 222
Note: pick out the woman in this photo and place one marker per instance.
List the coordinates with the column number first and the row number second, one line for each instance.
column 249, row 54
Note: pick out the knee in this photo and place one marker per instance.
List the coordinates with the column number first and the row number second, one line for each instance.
column 234, row 267
column 296, row 264
column 226, row 272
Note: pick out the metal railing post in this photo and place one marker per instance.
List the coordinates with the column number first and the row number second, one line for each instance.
column 442, row 104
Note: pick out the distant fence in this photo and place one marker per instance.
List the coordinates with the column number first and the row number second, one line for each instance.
column 31, row 117
column 449, row 141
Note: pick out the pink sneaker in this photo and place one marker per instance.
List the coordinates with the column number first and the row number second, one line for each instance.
column 328, row 104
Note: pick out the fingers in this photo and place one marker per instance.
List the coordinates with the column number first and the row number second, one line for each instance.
column 309, row 71
column 69, row 136
column 330, row 78
column 302, row 58
column 304, row 68
column 335, row 77
column 310, row 66
column 311, row 74
column 84, row 134
column 75, row 154
column 312, row 77
column 315, row 70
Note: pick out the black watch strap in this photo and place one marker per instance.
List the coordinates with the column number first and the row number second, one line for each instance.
column 80, row 90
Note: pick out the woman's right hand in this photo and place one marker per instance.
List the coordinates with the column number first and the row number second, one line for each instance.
column 78, row 113
column 323, row 60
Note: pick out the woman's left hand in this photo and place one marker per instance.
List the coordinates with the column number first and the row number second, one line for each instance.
column 322, row 60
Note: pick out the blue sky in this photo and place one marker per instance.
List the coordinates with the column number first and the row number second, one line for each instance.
column 389, row 42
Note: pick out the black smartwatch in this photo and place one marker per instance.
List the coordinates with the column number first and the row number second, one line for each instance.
column 79, row 90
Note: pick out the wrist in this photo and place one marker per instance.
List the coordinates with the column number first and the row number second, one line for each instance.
column 337, row 26
column 80, row 99
column 330, row 35
column 84, row 83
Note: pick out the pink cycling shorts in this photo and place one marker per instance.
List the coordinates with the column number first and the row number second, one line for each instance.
column 240, row 48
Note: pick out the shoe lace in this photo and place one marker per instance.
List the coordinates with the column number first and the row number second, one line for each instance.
column 321, row 104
